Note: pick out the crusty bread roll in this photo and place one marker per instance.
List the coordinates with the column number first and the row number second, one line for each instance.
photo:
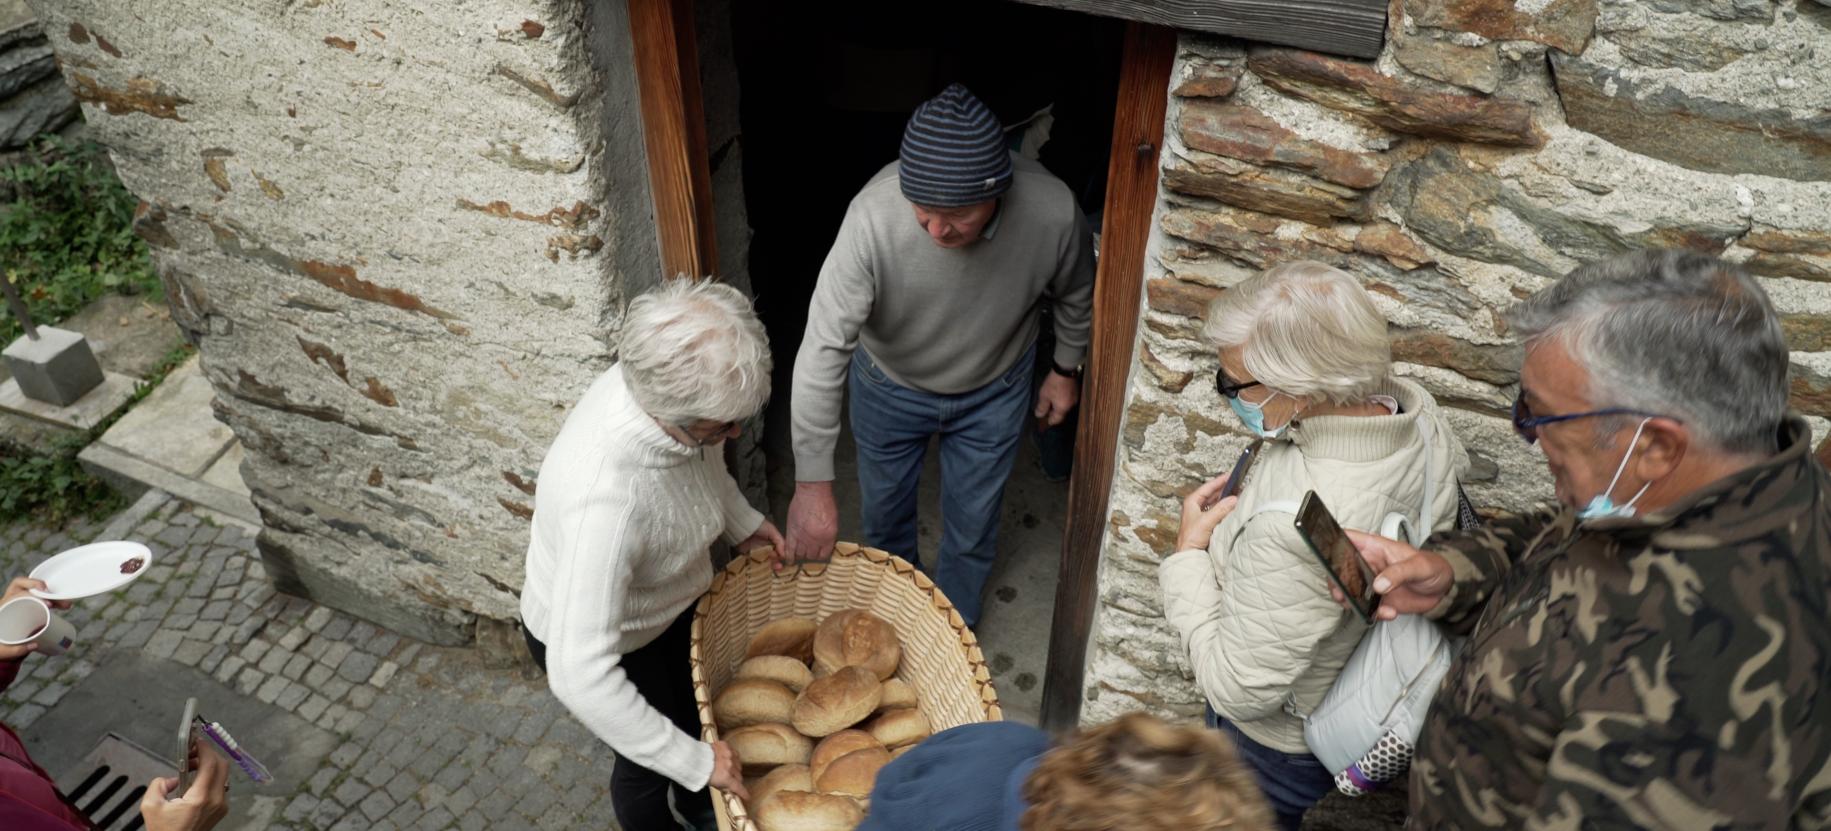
column 753, row 701
column 898, row 753
column 896, row 728
column 781, row 669
column 897, row 694
column 838, row 701
column 784, row 778
column 856, row 637
column 798, row 811
column 791, row 636
column 839, row 744
column 762, row 746
column 854, row 773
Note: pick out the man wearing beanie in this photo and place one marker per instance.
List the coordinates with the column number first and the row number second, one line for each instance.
column 927, row 309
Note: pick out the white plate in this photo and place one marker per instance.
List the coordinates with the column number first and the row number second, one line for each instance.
column 90, row 570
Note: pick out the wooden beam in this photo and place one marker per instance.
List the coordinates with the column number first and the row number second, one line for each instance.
column 674, row 134
column 1355, row 28
column 1131, row 199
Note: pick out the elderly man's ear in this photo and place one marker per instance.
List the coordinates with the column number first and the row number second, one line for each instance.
column 1663, row 445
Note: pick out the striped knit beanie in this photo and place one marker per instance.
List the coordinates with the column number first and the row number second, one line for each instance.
column 953, row 152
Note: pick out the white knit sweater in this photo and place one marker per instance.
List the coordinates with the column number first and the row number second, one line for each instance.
column 623, row 520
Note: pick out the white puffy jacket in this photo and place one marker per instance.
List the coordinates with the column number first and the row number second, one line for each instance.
column 1259, row 627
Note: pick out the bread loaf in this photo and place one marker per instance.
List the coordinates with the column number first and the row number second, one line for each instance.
column 854, row 773
column 791, row 636
column 753, row 701
column 897, row 694
column 781, row 669
column 798, row 811
column 898, row 753
column 856, row 637
column 761, row 746
column 896, row 728
column 838, row 701
column 839, row 744
column 784, row 778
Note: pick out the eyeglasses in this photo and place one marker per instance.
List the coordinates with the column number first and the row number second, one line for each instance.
column 723, row 428
column 1527, row 425
column 1227, row 387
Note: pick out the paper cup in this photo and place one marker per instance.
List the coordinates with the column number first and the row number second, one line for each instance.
column 29, row 620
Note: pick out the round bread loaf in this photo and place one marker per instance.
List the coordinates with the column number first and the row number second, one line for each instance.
column 838, row 701
column 783, row 778
column 753, row 701
column 898, row 753
column 839, row 744
column 798, row 811
column 781, row 669
column 762, row 746
column 896, row 728
column 856, row 637
column 854, row 773
column 791, row 636
column 897, row 694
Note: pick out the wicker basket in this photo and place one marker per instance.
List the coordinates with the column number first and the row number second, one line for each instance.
column 941, row 658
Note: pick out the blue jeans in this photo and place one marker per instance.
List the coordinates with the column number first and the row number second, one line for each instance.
column 1292, row 782
column 979, row 432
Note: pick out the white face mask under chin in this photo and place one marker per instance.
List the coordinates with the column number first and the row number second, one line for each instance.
column 1602, row 506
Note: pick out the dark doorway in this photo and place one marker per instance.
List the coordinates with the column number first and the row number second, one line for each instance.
column 825, row 90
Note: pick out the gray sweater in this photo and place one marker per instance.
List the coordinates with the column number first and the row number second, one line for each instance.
column 934, row 319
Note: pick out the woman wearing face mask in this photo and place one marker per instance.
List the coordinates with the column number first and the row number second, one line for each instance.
column 1304, row 365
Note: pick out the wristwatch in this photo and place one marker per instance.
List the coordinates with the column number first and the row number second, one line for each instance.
column 1073, row 374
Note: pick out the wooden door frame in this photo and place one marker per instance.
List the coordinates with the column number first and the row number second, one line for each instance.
column 674, row 131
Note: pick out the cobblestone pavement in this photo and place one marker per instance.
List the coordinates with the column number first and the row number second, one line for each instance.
column 428, row 738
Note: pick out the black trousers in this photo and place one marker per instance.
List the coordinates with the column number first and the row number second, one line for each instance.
column 663, row 676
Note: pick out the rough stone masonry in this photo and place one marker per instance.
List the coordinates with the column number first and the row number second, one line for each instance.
column 403, row 241
column 1491, row 148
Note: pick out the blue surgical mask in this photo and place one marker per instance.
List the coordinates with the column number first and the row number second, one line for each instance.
column 1253, row 416
column 1602, row 506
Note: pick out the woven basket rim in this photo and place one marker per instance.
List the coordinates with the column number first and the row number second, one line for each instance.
column 976, row 667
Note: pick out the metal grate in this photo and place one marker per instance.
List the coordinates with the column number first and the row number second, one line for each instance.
column 110, row 792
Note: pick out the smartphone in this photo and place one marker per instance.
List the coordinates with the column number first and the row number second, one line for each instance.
column 187, row 738
column 1338, row 555
column 1238, row 477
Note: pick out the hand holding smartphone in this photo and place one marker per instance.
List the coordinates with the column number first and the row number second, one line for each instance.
column 1237, row 478
column 187, row 747
column 1338, row 555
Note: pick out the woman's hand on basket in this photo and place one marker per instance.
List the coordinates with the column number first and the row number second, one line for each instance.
column 727, row 774
column 766, row 534
column 1202, row 512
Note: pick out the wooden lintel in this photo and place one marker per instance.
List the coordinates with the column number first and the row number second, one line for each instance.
column 1355, row 28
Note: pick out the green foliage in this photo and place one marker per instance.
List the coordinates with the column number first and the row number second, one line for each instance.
column 67, row 230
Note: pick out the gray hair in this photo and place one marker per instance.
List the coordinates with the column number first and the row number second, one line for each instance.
column 1304, row 329
column 1676, row 333
column 694, row 349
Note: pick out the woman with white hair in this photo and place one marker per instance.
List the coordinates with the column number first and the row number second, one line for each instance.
column 632, row 494
column 1304, row 364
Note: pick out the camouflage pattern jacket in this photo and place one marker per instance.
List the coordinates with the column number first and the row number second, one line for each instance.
column 1665, row 671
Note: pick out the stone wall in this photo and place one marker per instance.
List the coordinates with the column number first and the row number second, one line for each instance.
column 1485, row 153
column 33, row 99
column 403, row 242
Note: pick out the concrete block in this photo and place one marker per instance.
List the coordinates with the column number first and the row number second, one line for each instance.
column 86, row 412
column 174, row 427
column 57, row 367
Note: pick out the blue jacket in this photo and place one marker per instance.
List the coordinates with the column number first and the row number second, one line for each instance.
column 968, row 778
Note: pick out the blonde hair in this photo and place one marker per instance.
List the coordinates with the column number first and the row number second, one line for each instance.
column 1139, row 771
column 1304, row 329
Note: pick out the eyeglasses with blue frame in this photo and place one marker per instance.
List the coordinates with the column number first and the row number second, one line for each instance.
column 1527, row 425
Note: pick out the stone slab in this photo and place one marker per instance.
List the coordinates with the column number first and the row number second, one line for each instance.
column 86, row 412
column 174, row 428
column 132, row 475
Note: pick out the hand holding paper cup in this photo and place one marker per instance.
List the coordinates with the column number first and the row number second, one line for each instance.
column 27, row 624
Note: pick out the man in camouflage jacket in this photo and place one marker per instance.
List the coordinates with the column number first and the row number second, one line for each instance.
column 1658, row 664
